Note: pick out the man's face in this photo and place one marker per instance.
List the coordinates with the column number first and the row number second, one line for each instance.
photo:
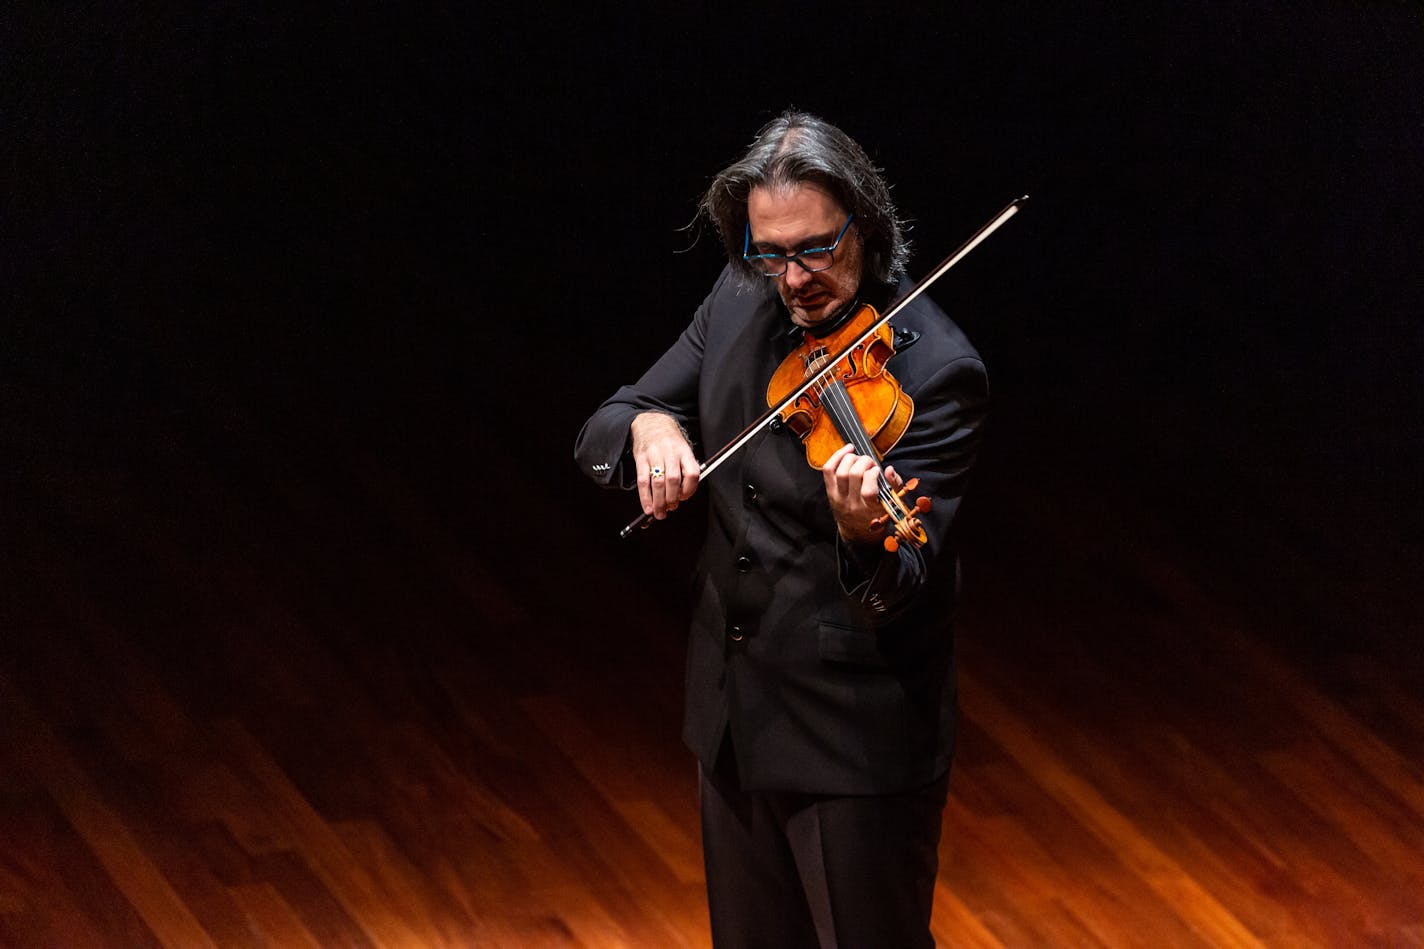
column 785, row 220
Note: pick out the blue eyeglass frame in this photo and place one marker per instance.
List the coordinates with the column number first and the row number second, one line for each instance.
column 796, row 257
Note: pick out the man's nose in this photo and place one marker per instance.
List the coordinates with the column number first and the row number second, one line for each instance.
column 796, row 276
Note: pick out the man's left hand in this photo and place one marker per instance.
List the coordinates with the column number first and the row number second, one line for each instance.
column 853, row 488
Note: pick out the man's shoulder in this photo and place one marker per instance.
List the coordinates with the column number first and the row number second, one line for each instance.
column 937, row 334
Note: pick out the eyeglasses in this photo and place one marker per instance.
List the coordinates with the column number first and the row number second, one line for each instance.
column 811, row 260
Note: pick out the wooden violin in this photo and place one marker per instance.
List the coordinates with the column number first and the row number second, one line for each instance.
column 854, row 400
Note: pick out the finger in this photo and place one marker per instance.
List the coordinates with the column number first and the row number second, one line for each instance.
column 681, row 466
column 672, row 485
column 657, row 489
column 830, row 469
column 645, row 493
column 833, row 463
column 893, row 477
column 690, row 478
column 691, row 474
column 852, row 471
column 870, row 485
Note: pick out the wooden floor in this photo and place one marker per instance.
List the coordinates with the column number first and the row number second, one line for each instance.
column 249, row 700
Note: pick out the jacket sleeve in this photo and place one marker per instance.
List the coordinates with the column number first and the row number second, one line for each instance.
column 603, row 449
column 939, row 448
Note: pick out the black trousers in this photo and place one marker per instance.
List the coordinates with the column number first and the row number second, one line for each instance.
column 789, row 870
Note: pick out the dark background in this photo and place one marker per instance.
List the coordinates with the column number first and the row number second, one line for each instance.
column 261, row 243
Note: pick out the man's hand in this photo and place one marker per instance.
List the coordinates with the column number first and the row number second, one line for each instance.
column 667, row 469
column 853, row 488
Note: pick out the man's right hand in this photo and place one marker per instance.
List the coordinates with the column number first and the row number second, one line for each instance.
column 667, row 469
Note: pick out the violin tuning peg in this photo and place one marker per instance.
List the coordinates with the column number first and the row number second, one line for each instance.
column 923, row 504
column 910, row 485
column 891, row 544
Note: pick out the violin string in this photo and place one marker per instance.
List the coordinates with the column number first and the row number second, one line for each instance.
column 843, row 411
column 836, row 398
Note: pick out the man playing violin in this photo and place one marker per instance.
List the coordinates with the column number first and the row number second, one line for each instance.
column 820, row 685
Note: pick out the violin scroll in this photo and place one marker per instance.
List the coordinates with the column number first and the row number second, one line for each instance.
column 907, row 529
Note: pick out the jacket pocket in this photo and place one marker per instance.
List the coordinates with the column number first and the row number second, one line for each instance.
column 851, row 646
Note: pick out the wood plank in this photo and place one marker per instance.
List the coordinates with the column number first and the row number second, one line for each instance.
column 1198, row 908
column 272, row 919
column 378, row 914
column 105, row 833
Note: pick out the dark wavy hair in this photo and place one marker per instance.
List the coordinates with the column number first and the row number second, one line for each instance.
column 796, row 147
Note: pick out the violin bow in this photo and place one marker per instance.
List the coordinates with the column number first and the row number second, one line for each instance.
column 715, row 460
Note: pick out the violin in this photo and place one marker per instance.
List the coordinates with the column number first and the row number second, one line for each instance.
column 818, row 379
column 853, row 399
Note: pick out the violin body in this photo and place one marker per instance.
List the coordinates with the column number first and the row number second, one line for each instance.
column 877, row 402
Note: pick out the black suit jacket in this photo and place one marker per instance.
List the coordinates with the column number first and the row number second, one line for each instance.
column 832, row 666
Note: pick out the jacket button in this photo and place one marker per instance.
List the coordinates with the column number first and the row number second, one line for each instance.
column 735, row 634
column 744, row 564
column 751, row 492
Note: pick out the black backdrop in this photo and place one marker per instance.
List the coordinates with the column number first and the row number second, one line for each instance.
column 290, row 238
